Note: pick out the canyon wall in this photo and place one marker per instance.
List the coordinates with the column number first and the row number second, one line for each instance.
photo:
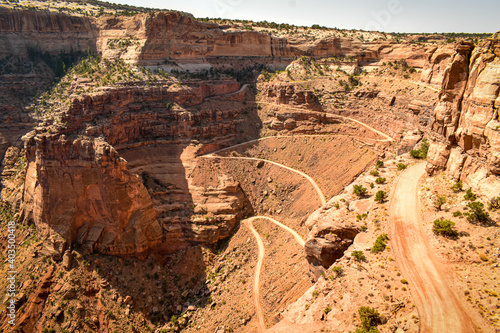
column 152, row 38
column 79, row 186
column 49, row 32
column 466, row 118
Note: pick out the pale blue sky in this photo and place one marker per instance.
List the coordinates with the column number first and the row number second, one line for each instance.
column 383, row 15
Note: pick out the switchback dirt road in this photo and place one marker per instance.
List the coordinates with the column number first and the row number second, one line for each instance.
column 313, row 183
column 439, row 307
column 260, row 260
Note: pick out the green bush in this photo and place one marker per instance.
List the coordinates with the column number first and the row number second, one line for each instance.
column 380, row 180
column 370, row 318
column 380, row 196
column 358, row 255
column 439, row 201
column 457, row 213
column 422, row 152
column 477, row 212
column 379, row 244
column 494, row 204
column 379, row 164
column 458, row 186
column 444, row 228
column 469, row 196
column 337, row 270
column 402, row 166
column 374, row 173
column 360, row 190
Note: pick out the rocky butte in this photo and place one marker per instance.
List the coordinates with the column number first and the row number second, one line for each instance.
column 168, row 173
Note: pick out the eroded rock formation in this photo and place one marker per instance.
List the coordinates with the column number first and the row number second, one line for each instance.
column 467, row 118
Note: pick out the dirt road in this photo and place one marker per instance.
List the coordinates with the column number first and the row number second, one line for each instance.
column 313, row 183
column 438, row 305
column 387, row 137
column 260, row 260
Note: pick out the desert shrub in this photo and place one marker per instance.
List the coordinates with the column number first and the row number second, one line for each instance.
column 469, row 196
column 327, row 310
column 337, row 270
column 379, row 164
column 457, row 213
column 380, row 196
column 358, row 255
column 379, row 244
column 444, row 228
column 422, row 152
column 494, row 203
column 458, row 186
column 370, row 318
column 360, row 217
column 402, row 166
column 360, row 190
column 439, row 201
column 374, row 173
column 477, row 213
column 380, row 180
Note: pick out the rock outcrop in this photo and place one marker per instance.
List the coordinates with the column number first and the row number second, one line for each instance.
column 82, row 190
column 328, row 238
column 466, row 117
column 79, row 186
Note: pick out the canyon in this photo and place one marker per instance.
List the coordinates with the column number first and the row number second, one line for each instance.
column 172, row 174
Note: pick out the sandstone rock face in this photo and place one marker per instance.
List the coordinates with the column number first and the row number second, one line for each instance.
column 79, row 186
column 289, row 94
column 49, row 32
column 329, row 244
column 152, row 38
column 82, row 190
column 328, row 237
column 437, row 157
column 438, row 59
column 467, row 117
column 447, row 112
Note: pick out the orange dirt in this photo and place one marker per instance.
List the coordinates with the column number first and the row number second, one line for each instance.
column 439, row 308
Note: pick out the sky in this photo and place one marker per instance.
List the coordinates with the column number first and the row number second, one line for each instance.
column 383, row 15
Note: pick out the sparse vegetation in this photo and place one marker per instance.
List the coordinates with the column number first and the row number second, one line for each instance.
column 469, row 196
column 379, row 164
column 337, row 270
column 370, row 319
column 402, row 166
column 421, row 153
column 358, row 255
column 360, row 190
column 380, row 196
column 476, row 213
column 380, row 180
column 379, row 244
column 458, row 186
column 494, row 204
column 439, row 201
column 444, row 228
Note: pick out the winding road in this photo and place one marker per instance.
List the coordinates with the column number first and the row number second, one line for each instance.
column 260, row 260
column 313, row 183
column 439, row 307
column 387, row 137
